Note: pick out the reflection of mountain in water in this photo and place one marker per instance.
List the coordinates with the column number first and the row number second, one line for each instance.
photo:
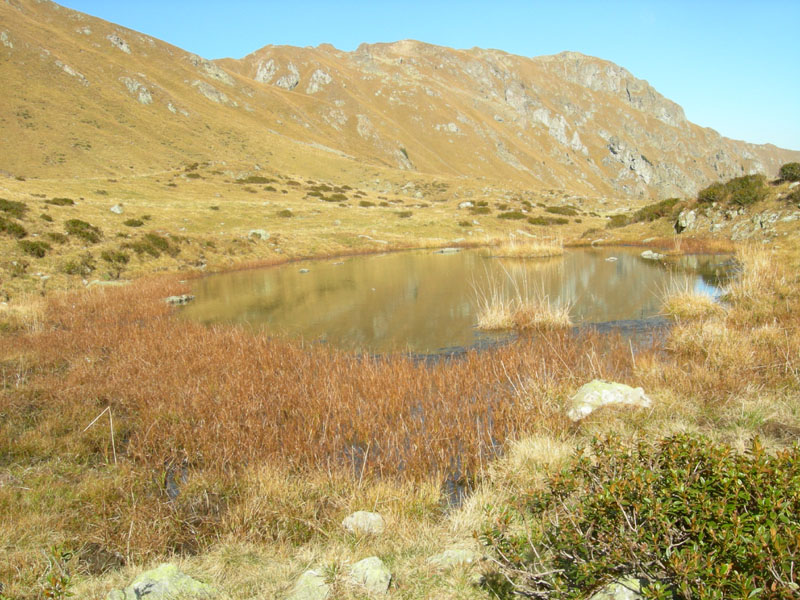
column 421, row 301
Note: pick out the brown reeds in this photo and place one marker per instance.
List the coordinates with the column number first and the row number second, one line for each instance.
column 516, row 247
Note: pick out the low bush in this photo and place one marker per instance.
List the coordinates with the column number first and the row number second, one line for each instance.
column 12, row 208
column 513, row 215
column 567, row 211
column 82, row 229
column 36, row 249
column 404, row 214
column 480, row 210
column 465, row 223
column 653, row 212
column 793, row 196
column 546, row 221
column 193, row 176
column 82, row 265
column 253, row 179
column 60, row 201
column 58, row 238
column 691, row 518
column 741, row 191
column 12, row 228
column 618, row 221
column 46, row 217
column 790, row 172
column 133, row 223
column 117, row 259
column 366, row 204
column 152, row 244
column 285, row 213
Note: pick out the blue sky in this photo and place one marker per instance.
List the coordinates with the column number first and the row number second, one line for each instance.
column 733, row 66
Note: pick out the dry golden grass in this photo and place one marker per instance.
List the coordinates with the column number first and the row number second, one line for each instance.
column 683, row 303
column 518, row 247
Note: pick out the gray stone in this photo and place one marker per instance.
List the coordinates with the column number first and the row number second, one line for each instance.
column 650, row 255
column 686, row 220
column 365, row 523
column 260, row 234
column 598, row 393
column 310, row 586
column 371, row 574
column 182, row 299
column 454, row 557
column 304, row 270
column 466, row 204
column 117, row 209
column 119, row 43
column 447, row 251
column 625, row 588
column 165, row 582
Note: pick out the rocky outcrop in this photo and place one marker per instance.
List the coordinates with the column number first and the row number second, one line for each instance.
column 598, row 393
column 166, row 582
column 371, row 575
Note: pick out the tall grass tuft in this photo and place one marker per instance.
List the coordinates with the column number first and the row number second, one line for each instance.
column 529, row 248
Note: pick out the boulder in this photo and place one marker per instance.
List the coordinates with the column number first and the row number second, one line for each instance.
column 650, row 255
column 165, row 582
column 370, row 574
column 310, row 586
column 117, row 209
column 258, row 234
column 454, row 557
column 625, row 588
column 176, row 300
column 364, row 523
column 599, row 393
column 466, row 204
column 686, row 220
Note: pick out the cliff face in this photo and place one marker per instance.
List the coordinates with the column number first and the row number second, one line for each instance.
column 86, row 96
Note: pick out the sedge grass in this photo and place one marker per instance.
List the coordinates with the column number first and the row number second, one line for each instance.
column 515, row 247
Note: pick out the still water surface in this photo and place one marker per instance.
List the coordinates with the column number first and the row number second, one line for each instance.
column 425, row 302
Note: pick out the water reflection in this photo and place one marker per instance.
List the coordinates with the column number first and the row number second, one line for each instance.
column 424, row 302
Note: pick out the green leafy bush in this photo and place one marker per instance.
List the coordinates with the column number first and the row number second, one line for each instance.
column 60, row 202
column 36, row 249
column 480, row 210
column 546, row 221
column 366, row 204
column 46, row 217
column 742, row 191
column 513, row 215
column 12, row 228
column 253, row 179
column 133, row 222
column 404, row 214
column 83, row 230
column 285, row 213
column 618, row 221
column 694, row 519
column 58, row 238
column 790, row 172
column 567, row 211
column 653, row 212
column 793, row 196
column 12, row 208
column 152, row 244
column 465, row 223
column 82, row 265
column 193, row 175
column 117, row 260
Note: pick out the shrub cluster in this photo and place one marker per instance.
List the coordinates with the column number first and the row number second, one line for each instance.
column 60, row 202
column 36, row 249
column 742, row 191
column 82, row 229
column 14, row 209
column 790, row 172
column 513, row 214
column 12, row 228
column 546, row 221
column 152, row 244
column 693, row 519
column 567, row 211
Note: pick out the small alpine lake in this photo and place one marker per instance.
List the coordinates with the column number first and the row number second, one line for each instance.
column 426, row 301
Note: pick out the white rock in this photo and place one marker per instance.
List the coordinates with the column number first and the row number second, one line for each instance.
column 310, row 586
column 650, row 255
column 364, row 523
column 117, row 209
column 454, row 557
column 371, row 574
column 598, row 393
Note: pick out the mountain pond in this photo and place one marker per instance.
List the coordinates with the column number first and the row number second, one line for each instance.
column 425, row 301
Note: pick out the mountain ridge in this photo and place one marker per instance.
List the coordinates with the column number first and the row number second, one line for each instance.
column 87, row 89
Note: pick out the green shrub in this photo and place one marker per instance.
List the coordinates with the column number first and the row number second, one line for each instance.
column 60, row 201
column 285, row 213
column 693, row 518
column 480, row 210
column 12, row 208
column 193, row 176
column 618, row 221
column 790, row 172
column 83, row 265
column 253, row 179
column 513, row 215
column 12, row 228
column 567, row 211
column 153, row 244
column 269, row 188
column 793, row 196
column 34, row 248
column 46, row 217
column 366, row 204
column 133, row 223
column 117, row 259
column 653, row 212
column 502, row 206
column 58, row 238
column 465, row 223
column 546, row 221
column 83, row 230
column 101, row 192
column 481, row 203
column 742, row 191
column 404, row 214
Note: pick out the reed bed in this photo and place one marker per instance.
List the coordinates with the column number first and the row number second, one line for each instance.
column 515, row 247
column 513, row 302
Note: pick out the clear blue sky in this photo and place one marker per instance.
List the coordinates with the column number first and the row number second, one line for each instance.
column 732, row 65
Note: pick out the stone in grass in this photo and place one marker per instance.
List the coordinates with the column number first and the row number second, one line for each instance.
column 178, row 300
column 454, row 557
column 599, row 393
column 370, row 574
column 625, row 588
column 165, row 582
column 310, row 586
column 117, row 209
column 258, row 234
column 650, row 255
column 364, row 523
